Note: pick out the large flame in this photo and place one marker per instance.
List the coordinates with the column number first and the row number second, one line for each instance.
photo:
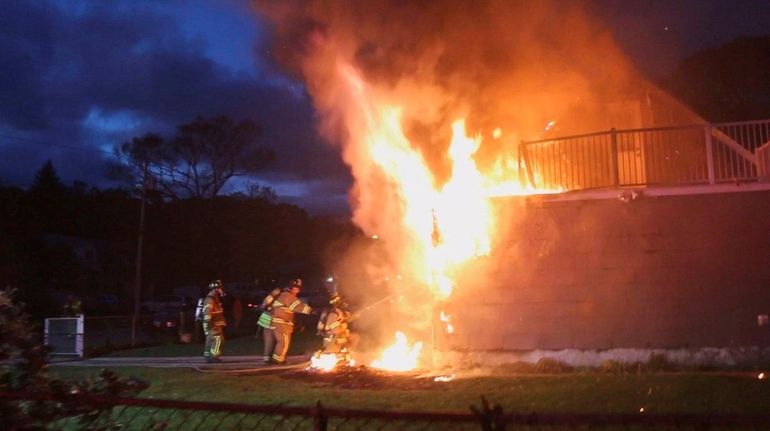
column 377, row 83
column 401, row 356
column 448, row 224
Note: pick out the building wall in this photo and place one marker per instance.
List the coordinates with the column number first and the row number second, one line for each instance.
column 657, row 272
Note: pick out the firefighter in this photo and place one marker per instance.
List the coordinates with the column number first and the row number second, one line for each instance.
column 214, row 322
column 333, row 327
column 277, row 320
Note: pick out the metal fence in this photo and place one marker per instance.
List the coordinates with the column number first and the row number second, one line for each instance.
column 105, row 412
column 686, row 155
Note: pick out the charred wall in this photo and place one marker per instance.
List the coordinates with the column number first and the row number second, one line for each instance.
column 657, row 272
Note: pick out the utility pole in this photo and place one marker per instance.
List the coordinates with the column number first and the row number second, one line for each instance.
column 139, row 247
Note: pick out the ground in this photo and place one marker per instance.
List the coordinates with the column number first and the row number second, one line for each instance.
column 516, row 388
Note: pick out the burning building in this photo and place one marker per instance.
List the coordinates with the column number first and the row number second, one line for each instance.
column 428, row 103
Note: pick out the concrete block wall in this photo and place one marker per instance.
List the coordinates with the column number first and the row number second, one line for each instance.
column 658, row 272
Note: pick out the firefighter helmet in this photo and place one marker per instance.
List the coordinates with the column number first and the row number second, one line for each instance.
column 216, row 284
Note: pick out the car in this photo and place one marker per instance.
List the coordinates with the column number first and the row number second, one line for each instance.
column 167, row 319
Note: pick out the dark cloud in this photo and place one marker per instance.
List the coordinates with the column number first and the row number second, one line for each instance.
column 94, row 76
column 25, row 52
column 658, row 33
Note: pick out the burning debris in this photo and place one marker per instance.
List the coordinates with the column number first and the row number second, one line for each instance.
column 401, row 356
column 363, row 377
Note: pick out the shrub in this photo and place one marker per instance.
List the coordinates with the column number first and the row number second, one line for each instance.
column 24, row 370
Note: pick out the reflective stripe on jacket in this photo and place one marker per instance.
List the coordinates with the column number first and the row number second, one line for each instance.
column 213, row 312
column 284, row 307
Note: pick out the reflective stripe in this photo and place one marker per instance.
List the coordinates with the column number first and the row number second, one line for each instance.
column 285, row 322
column 265, row 320
column 281, row 356
column 333, row 325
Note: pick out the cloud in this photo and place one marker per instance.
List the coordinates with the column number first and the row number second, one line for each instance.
column 77, row 80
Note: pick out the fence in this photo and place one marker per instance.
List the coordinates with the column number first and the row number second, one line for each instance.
column 686, row 155
column 105, row 412
column 106, row 332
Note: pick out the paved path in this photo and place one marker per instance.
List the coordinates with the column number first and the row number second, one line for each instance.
column 238, row 364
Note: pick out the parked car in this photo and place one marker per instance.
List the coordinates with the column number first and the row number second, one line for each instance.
column 167, row 319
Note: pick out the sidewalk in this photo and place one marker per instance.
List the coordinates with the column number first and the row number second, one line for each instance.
column 228, row 362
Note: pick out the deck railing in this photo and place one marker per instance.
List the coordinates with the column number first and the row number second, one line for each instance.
column 682, row 155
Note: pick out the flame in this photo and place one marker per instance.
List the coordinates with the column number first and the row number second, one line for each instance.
column 324, row 361
column 432, row 227
column 449, row 329
column 400, row 356
column 448, row 378
column 330, row 361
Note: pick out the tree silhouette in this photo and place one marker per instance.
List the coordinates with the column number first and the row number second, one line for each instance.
column 50, row 200
column 47, row 181
column 200, row 160
column 729, row 83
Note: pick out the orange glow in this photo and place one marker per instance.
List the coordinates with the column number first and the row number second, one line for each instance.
column 449, row 329
column 432, row 227
column 401, row 356
column 324, row 362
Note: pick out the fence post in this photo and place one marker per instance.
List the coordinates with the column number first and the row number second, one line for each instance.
column 320, row 420
column 524, row 158
column 490, row 417
column 614, row 162
column 710, row 154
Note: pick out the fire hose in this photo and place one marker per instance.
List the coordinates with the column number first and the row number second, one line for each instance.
column 358, row 313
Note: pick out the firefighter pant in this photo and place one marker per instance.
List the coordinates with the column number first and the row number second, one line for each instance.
column 277, row 342
column 334, row 343
column 215, row 337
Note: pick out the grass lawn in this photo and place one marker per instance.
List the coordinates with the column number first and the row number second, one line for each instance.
column 575, row 392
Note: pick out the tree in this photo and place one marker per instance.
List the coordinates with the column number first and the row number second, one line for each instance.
column 25, row 371
column 200, row 160
column 50, row 200
column 729, row 83
column 47, row 181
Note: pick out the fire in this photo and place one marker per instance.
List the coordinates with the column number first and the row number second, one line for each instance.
column 449, row 329
column 324, row 362
column 433, row 227
column 330, row 361
column 400, row 356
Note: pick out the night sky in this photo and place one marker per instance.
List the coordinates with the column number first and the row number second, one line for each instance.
column 79, row 77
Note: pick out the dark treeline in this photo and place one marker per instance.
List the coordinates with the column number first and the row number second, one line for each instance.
column 59, row 239
column 727, row 83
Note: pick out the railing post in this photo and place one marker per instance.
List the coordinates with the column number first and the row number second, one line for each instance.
column 614, row 163
column 710, row 154
column 524, row 158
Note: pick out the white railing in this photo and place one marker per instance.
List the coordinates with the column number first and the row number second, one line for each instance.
column 694, row 154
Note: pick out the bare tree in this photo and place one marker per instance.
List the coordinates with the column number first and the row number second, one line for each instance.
column 200, row 160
